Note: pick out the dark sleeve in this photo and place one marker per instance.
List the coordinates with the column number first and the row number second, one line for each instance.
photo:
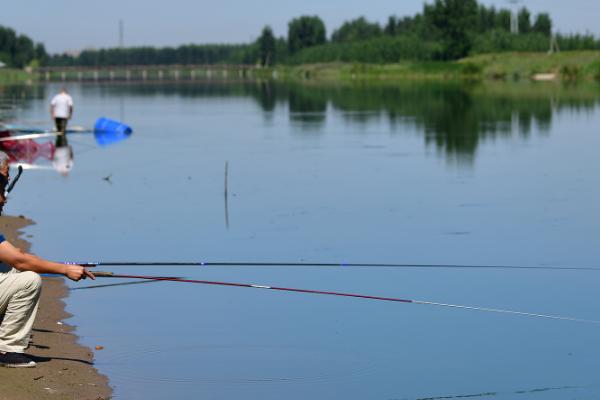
column 2, row 238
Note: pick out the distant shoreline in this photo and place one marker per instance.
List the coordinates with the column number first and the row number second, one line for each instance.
column 563, row 66
column 515, row 66
column 11, row 76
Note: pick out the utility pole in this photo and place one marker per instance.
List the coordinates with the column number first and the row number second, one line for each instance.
column 514, row 16
column 121, row 33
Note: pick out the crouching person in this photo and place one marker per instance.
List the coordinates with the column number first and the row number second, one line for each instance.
column 20, row 288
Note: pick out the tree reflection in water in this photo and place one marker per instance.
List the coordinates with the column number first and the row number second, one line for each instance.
column 454, row 117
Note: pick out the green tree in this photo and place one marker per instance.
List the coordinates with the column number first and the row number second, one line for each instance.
column 452, row 22
column 524, row 20
column 411, row 25
column 24, row 51
column 390, row 27
column 305, row 31
column 8, row 39
column 503, row 20
column 487, row 18
column 19, row 50
column 267, row 47
column 543, row 24
column 40, row 54
column 404, row 25
column 281, row 50
column 358, row 29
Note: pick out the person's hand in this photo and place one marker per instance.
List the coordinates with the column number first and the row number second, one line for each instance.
column 77, row 272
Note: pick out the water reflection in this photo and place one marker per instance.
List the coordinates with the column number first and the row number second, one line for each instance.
column 14, row 98
column 63, row 155
column 453, row 117
column 26, row 151
column 307, row 106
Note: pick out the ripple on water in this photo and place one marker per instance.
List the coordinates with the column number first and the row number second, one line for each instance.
column 238, row 365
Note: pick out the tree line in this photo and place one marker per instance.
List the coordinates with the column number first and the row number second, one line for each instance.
column 19, row 51
column 443, row 30
column 182, row 55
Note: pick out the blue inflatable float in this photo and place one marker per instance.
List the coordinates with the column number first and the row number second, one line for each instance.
column 108, row 131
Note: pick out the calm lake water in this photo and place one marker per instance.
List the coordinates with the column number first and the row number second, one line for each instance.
column 451, row 174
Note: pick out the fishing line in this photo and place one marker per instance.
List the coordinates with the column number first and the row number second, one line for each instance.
column 352, row 295
column 111, row 285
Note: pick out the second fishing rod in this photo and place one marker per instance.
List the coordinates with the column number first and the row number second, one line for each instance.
column 286, row 264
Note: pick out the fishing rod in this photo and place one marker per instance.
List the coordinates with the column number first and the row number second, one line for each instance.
column 29, row 136
column 326, row 265
column 39, row 131
column 344, row 294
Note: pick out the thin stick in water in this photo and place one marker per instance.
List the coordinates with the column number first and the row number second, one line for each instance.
column 226, row 196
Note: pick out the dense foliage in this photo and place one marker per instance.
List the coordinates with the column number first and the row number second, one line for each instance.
column 270, row 49
column 386, row 49
column 187, row 54
column 305, row 32
column 267, row 46
column 356, row 30
column 19, row 50
column 450, row 23
column 444, row 30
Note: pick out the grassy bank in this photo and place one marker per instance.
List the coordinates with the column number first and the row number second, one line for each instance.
column 564, row 66
column 575, row 65
column 568, row 65
column 9, row 75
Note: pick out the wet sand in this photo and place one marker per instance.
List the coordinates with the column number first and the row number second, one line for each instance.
column 65, row 369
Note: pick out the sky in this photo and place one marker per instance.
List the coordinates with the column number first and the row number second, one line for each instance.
column 70, row 25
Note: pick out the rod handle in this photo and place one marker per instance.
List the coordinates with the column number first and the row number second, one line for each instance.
column 102, row 274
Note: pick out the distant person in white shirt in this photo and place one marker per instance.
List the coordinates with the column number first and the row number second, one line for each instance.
column 61, row 109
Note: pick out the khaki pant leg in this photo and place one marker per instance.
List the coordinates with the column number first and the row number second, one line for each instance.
column 19, row 298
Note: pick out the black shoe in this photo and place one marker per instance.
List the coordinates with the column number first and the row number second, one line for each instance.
column 16, row 360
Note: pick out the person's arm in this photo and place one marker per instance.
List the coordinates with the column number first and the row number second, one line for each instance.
column 22, row 261
column 70, row 107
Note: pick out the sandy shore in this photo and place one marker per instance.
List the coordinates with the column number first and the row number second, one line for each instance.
column 65, row 369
